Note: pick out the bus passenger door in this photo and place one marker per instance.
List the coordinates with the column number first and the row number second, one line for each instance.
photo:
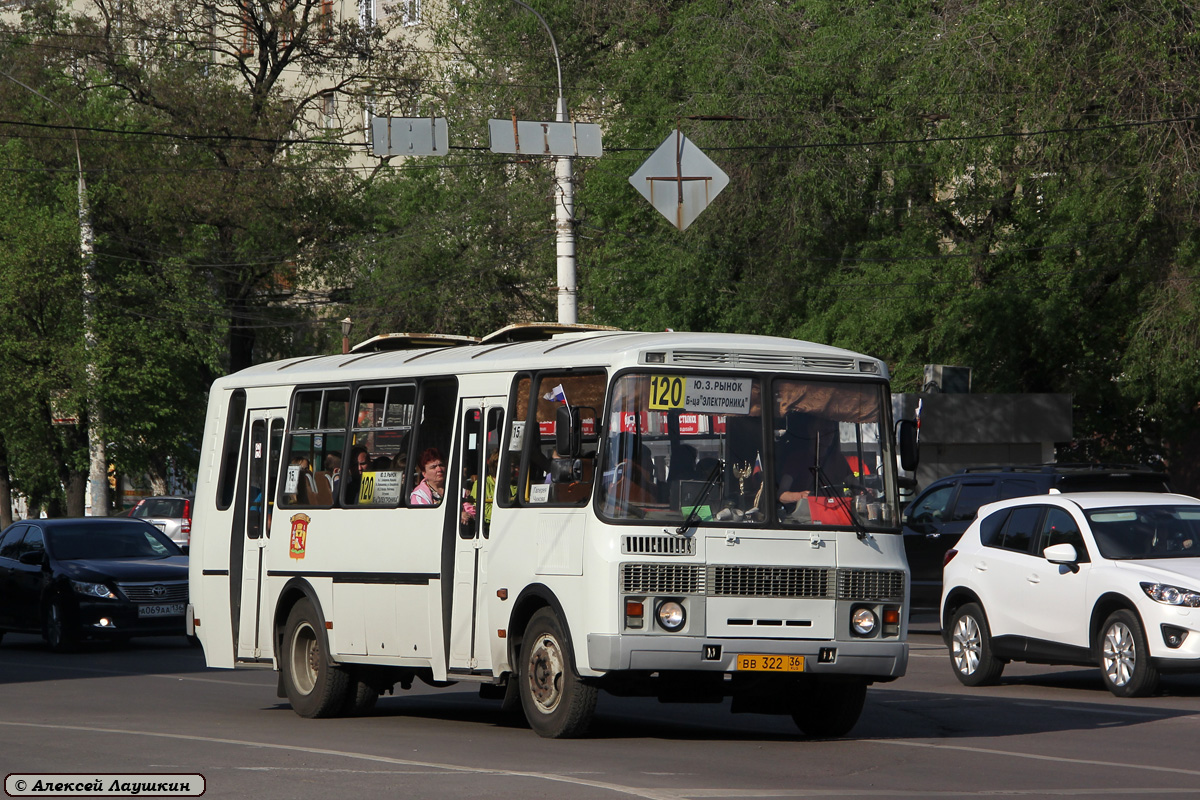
column 482, row 422
column 256, row 498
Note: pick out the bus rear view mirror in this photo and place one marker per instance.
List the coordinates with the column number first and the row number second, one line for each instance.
column 567, row 431
column 906, row 438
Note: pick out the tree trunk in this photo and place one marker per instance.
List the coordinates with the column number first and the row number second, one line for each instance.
column 6, row 512
column 77, row 481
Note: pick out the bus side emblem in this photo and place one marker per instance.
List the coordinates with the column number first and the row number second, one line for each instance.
column 299, row 535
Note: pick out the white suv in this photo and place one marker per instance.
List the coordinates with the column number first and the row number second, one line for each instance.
column 1108, row 578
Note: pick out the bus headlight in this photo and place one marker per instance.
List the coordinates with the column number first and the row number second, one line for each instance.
column 863, row 622
column 671, row 615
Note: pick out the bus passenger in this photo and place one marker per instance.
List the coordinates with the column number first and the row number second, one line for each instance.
column 360, row 462
column 433, row 479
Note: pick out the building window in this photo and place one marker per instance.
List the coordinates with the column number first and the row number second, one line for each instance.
column 325, row 21
column 329, row 109
column 410, row 11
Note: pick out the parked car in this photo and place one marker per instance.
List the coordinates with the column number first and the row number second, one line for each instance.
column 1100, row 578
column 938, row 516
column 91, row 577
column 171, row 515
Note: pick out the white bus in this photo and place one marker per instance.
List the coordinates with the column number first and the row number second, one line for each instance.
column 688, row 516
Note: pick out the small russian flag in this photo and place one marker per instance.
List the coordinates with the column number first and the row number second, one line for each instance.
column 557, row 394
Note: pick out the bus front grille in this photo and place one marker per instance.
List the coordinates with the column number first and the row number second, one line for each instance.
column 870, row 584
column 659, row 545
column 739, row 580
column 758, row 581
column 662, row 579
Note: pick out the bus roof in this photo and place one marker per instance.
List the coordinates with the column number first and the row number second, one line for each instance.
column 586, row 348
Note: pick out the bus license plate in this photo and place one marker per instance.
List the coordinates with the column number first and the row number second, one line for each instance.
column 161, row 610
column 763, row 663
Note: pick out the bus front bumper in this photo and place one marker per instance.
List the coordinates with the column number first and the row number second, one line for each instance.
column 876, row 659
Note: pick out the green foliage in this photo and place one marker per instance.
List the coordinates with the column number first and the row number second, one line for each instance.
column 997, row 184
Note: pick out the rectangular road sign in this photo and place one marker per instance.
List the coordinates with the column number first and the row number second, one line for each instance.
column 409, row 136
column 545, row 138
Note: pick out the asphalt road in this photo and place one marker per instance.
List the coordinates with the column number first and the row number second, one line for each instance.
column 153, row 707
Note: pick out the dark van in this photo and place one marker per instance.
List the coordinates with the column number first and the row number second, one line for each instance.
column 939, row 515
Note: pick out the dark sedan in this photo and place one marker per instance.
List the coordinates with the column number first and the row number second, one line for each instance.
column 93, row 577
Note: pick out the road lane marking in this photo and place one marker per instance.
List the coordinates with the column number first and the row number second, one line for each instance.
column 649, row 794
column 1034, row 756
column 684, row 793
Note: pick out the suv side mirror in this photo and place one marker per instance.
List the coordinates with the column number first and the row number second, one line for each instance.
column 567, row 431
column 1061, row 554
column 906, row 439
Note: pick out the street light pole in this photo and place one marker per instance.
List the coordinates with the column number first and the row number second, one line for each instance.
column 97, row 458
column 564, row 202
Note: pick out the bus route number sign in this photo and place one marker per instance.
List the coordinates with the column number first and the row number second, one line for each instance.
column 706, row 394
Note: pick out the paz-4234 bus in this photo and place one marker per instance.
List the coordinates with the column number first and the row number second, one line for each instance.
column 687, row 516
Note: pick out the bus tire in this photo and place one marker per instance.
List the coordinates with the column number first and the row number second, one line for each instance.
column 360, row 698
column 314, row 685
column 556, row 701
column 829, row 709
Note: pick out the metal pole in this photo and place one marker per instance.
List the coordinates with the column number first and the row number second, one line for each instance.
column 97, row 458
column 564, row 202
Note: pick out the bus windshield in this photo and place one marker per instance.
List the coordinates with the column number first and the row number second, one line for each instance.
column 707, row 448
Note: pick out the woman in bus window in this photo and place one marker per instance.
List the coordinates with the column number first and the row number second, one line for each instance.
column 433, row 479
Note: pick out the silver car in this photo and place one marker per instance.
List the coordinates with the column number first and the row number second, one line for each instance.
column 171, row 515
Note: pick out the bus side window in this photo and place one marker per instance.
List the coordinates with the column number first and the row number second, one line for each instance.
column 235, row 419
column 432, row 427
column 509, row 484
column 383, row 417
column 549, row 476
column 315, row 442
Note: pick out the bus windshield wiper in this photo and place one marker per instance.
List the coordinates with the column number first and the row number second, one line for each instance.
column 694, row 514
column 823, row 480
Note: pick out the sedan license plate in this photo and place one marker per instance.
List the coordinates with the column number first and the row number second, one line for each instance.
column 161, row 610
column 752, row 662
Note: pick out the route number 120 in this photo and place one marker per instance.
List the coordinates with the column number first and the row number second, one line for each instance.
column 666, row 392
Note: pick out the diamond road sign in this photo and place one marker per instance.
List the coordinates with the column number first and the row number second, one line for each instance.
column 679, row 180
column 409, row 136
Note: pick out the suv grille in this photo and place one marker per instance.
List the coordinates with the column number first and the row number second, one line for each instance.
column 172, row 591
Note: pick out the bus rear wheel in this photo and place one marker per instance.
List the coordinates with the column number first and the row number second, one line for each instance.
column 360, row 698
column 557, row 703
column 829, row 709
column 314, row 685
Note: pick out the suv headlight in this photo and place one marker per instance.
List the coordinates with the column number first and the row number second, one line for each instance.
column 1172, row 595
column 93, row 590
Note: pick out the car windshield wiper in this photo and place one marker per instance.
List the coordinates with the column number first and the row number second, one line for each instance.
column 823, row 480
column 694, row 514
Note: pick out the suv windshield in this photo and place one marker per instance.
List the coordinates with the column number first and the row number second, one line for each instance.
column 1146, row 531
column 708, row 447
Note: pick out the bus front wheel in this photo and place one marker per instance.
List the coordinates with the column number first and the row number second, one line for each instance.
column 557, row 703
column 314, row 685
